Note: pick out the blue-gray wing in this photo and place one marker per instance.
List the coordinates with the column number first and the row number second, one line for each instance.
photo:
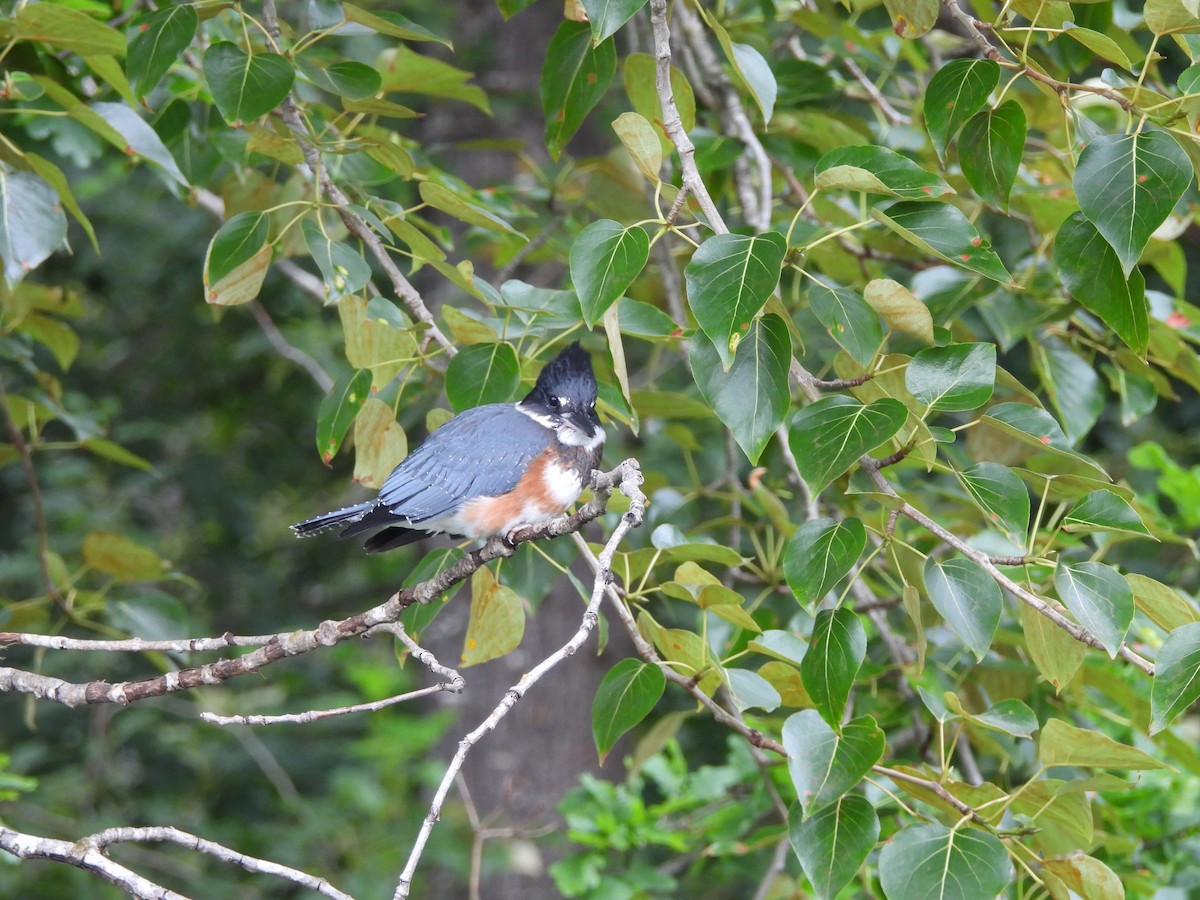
column 480, row 453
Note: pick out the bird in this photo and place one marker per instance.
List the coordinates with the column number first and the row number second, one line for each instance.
column 491, row 469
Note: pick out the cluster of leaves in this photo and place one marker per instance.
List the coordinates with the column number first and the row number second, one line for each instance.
column 973, row 235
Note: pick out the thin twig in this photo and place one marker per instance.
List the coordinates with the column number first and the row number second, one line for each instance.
column 630, row 486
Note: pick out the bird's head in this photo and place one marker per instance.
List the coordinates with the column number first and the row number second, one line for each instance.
column 564, row 399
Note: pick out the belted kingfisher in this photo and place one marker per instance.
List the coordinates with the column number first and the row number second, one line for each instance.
column 490, row 470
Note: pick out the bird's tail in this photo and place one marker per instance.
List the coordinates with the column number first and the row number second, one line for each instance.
column 346, row 515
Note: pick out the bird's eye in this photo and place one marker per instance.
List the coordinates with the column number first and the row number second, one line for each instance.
column 553, row 403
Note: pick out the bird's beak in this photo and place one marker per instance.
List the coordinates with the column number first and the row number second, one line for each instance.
column 582, row 420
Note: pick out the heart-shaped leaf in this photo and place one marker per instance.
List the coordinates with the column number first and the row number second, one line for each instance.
column 1099, row 598
column 482, row 373
column 834, row 842
column 729, row 279
column 343, row 269
column 820, row 554
column 1037, row 428
column 752, row 397
column 1127, row 185
column 936, row 861
column 953, row 378
column 990, row 151
column 1176, row 676
column 956, row 92
column 607, row 16
column 1002, row 496
column 968, row 599
column 829, row 435
column 246, row 86
column 943, row 231
column 235, row 242
column 877, row 170
column 899, row 308
column 605, row 259
column 497, row 620
column 823, row 764
column 625, row 696
column 836, row 652
column 850, row 320
column 160, row 40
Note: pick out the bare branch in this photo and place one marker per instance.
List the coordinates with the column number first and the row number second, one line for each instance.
column 631, row 487
column 282, row 346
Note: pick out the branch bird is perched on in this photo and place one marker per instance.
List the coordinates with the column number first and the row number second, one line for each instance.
column 489, row 470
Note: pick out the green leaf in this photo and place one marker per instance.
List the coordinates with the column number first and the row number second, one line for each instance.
column 605, row 259
column 923, row 861
column 347, row 78
column 1008, row 716
column 122, row 558
column 338, row 409
column 607, row 16
column 1037, row 428
column 836, row 652
column 1100, row 599
column 235, row 242
column 1100, row 44
column 70, row 29
column 391, row 24
column 990, row 151
column 968, row 599
column 343, row 269
column 452, row 203
column 828, row 436
column 1176, row 676
column 643, row 320
column 625, row 696
column 482, row 373
column 638, row 74
column 752, row 397
column 943, row 231
column 1091, row 271
column 1127, row 185
column 1002, row 496
column 821, row 553
column 877, row 170
column 956, row 92
column 575, row 75
column 1164, row 605
column 406, row 71
column 912, row 18
column 953, row 378
column 823, row 764
column 758, row 77
column 1103, row 511
column 850, row 320
column 497, row 620
column 1065, row 745
column 834, row 842
column 749, row 689
column 158, row 43
column 140, row 138
column 642, row 141
column 1170, row 17
column 729, row 279
column 1056, row 654
column 32, row 223
column 246, row 86
column 1072, row 383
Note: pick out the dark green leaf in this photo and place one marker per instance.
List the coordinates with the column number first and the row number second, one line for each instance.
column 1176, row 676
column 834, row 842
column 956, row 92
column 1073, row 385
column 1002, row 496
column 159, row 41
column 1035, row 427
column 850, row 320
column 758, row 77
column 1128, row 184
column 643, row 320
column 1009, row 716
column 1103, row 511
column 990, row 151
column 823, row 764
column 607, row 16
column 968, row 599
column 729, row 279
column 953, row 378
column 246, row 86
column 234, row 243
column 821, row 553
column 1092, row 273
column 625, row 697
column 348, row 78
column 877, row 170
column 465, row 210
column 1099, row 598
column 482, row 373
column 605, row 259
column 836, row 652
column 943, row 231
column 343, row 269
column 575, row 76
column 752, row 397
column 923, row 861
column 338, row 410
column 827, row 437
column 32, row 224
